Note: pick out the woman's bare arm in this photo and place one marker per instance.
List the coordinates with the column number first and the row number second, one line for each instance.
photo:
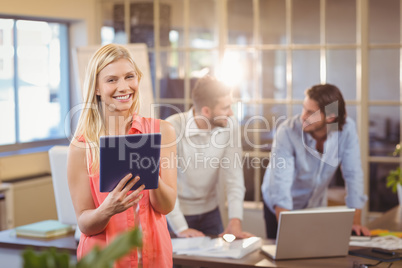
column 92, row 220
column 163, row 199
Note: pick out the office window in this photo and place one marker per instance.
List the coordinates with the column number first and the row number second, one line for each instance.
column 271, row 51
column 34, row 75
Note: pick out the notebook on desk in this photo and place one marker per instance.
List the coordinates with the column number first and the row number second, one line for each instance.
column 312, row 233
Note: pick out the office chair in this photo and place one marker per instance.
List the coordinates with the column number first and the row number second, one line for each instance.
column 64, row 204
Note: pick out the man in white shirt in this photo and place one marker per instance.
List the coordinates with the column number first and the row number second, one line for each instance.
column 208, row 150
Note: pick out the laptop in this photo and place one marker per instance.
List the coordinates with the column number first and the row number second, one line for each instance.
column 312, row 233
column 138, row 154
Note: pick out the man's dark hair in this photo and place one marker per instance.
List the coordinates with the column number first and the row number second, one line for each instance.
column 330, row 100
column 207, row 91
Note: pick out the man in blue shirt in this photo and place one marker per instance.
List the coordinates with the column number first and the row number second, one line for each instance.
column 307, row 151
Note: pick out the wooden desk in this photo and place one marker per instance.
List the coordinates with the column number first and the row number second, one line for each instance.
column 8, row 239
column 258, row 259
column 391, row 220
column 12, row 246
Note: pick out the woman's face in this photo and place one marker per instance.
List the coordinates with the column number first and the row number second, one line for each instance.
column 117, row 86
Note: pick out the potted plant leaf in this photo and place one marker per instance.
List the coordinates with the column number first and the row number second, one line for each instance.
column 394, row 178
column 100, row 258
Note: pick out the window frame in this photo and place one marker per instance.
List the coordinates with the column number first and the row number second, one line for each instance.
column 65, row 86
column 361, row 46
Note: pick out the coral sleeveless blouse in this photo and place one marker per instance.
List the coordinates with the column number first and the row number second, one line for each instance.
column 157, row 245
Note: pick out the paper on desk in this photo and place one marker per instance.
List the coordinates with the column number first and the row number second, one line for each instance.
column 194, row 244
column 217, row 247
column 387, row 242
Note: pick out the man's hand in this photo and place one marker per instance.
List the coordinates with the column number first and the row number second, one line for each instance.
column 360, row 230
column 357, row 227
column 234, row 227
column 190, row 233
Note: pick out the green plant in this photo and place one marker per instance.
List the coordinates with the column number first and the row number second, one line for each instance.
column 395, row 177
column 102, row 258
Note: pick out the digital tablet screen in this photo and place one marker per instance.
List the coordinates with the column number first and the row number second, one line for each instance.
column 138, row 154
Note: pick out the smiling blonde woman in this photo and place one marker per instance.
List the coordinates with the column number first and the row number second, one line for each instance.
column 111, row 105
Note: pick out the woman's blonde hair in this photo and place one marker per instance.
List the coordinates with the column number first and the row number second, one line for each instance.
column 91, row 124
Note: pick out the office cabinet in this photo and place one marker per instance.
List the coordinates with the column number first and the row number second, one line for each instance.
column 32, row 201
column 27, row 189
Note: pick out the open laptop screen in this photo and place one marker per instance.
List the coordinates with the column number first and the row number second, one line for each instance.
column 312, row 233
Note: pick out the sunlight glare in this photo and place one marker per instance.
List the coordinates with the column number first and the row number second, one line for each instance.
column 232, row 72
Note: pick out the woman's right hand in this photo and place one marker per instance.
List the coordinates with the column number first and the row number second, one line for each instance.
column 120, row 199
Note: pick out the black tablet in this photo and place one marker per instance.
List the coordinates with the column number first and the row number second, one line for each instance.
column 138, row 154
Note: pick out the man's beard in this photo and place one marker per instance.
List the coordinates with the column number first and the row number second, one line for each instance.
column 218, row 121
column 315, row 128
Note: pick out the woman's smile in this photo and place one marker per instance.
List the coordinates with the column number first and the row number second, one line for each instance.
column 123, row 98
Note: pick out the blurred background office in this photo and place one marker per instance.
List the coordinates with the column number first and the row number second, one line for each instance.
column 270, row 51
